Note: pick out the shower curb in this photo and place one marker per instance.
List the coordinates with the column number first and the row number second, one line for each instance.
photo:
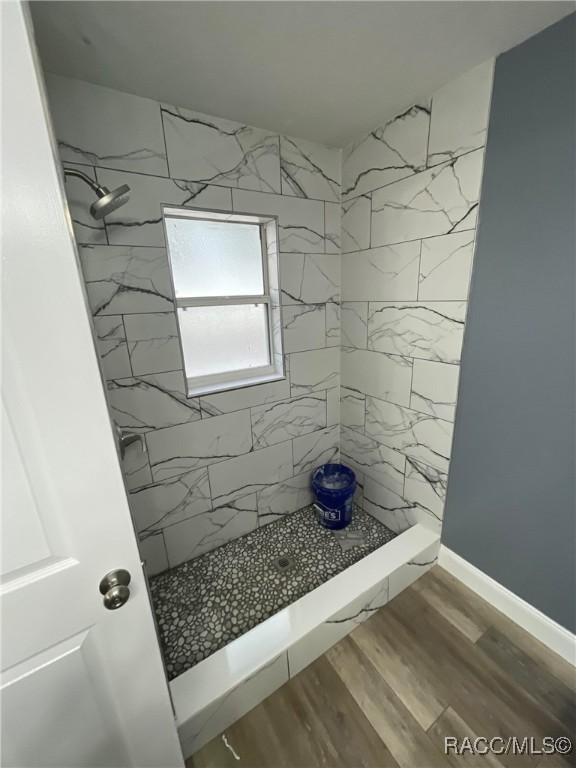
column 215, row 693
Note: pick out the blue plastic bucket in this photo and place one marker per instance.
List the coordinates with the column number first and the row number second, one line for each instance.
column 334, row 486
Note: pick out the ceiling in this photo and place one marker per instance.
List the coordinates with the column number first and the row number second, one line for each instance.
column 326, row 71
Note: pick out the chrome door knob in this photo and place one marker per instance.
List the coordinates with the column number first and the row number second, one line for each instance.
column 114, row 587
column 116, row 597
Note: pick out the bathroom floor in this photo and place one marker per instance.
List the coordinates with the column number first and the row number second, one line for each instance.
column 435, row 662
column 205, row 603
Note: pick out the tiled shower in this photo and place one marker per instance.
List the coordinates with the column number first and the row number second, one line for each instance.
column 376, row 245
column 186, row 499
column 410, row 200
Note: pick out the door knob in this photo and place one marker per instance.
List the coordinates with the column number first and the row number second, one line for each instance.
column 114, row 587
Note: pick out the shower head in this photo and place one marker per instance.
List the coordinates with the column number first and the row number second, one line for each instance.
column 108, row 200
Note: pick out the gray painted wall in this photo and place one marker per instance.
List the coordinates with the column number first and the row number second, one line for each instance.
column 510, row 507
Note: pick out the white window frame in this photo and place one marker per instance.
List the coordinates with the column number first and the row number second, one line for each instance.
column 230, row 380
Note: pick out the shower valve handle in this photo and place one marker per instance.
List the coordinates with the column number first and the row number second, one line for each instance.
column 125, row 439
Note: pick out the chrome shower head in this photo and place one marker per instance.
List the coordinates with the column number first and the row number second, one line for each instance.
column 109, row 201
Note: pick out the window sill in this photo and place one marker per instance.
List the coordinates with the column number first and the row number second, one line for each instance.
column 233, row 385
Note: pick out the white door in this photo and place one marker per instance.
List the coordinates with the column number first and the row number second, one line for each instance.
column 82, row 686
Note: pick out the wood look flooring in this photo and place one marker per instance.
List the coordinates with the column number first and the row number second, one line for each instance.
column 437, row 661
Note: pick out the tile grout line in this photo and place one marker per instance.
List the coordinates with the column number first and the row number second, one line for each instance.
column 396, row 450
column 200, row 182
column 419, row 270
column 424, row 169
column 127, row 348
column 411, row 240
column 163, row 127
column 395, row 354
column 428, row 166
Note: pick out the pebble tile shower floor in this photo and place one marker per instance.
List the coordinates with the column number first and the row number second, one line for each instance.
column 205, row 603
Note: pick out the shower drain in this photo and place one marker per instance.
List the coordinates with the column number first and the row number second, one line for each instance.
column 284, row 563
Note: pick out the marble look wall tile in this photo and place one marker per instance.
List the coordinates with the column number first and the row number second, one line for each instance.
column 426, row 487
column 397, row 512
column 310, row 451
column 139, row 221
column 207, row 530
column 445, row 267
column 169, row 501
column 309, row 278
column 100, row 126
column 377, row 374
column 136, row 467
column 111, row 342
column 210, row 150
column 432, row 330
column 355, row 324
column 356, row 224
column 196, row 444
column 111, row 327
column 435, row 202
column 80, row 197
column 434, row 388
column 304, row 327
column 315, row 370
column 247, row 397
column 460, row 113
column 309, row 170
column 333, row 227
column 153, row 552
column 333, row 406
column 374, row 459
column 358, row 473
column 126, row 279
column 333, row 323
column 358, row 497
column 153, row 343
column 387, row 506
column 417, row 435
column 143, row 403
column 250, row 473
column 301, row 222
column 283, row 498
column 352, row 408
column 393, row 151
column 389, row 273
column 277, row 422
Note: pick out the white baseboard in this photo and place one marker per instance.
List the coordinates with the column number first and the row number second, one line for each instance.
column 556, row 637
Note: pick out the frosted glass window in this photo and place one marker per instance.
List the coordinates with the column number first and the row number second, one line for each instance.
column 224, row 269
column 220, row 339
column 215, row 258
